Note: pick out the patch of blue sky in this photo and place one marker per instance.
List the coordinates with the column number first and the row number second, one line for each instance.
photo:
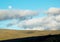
column 3, row 25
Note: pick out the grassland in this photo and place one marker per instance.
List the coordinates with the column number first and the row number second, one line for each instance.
column 11, row 34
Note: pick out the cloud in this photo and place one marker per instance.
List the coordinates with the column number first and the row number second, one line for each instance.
column 51, row 22
column 39, row 24
column 30, row 23
column 53, row 11
column 36, row 28
column 21, row 14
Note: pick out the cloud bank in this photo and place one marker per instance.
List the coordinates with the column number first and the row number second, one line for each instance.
column 50, row 22
column 13, row 14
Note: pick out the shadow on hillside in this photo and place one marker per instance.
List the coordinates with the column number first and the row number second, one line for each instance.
column 47, row 38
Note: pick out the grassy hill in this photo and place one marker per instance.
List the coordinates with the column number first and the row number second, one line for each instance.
column 11, row 34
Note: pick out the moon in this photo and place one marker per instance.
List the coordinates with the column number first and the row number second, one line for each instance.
column 9, row 6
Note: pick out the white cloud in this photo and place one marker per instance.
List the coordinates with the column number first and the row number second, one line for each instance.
column 31, row 22
column 53, row 11
column 10, row 14
column 36, row 28
column 51, row 22
column 58, row 18
column 39, row 24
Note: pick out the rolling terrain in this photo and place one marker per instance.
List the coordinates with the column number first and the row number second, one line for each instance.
column 12, row 34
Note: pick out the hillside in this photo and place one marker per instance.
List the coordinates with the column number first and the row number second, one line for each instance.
column 11, row 34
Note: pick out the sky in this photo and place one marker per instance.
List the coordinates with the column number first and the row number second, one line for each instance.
column 30, row 14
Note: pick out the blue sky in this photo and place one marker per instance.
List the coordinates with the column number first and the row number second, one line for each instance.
column 27, row 4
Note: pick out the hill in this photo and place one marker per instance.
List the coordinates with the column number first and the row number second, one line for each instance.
column 46, row 38
column 11, row 34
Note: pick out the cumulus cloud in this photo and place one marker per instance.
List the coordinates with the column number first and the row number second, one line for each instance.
column 53, row 11
column 51, row 22
column 39, row 24
column 10, row 14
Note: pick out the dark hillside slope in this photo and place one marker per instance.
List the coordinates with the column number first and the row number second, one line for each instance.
column 46, row 38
